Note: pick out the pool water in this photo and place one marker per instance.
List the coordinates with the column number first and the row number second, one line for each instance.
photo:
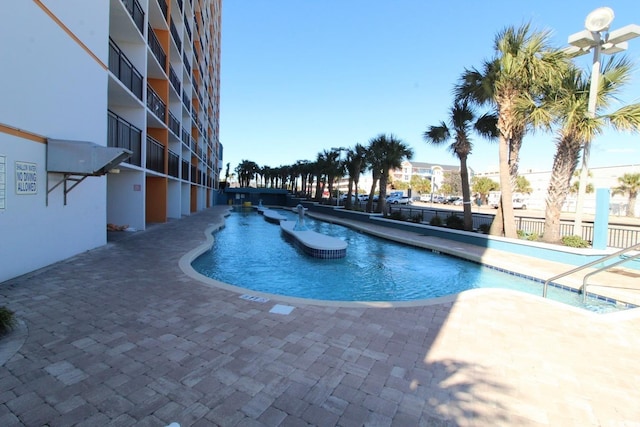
column 252, row 253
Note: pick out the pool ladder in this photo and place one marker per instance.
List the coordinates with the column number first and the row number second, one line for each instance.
column 600, row 269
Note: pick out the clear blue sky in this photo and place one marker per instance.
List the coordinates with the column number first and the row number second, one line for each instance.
column 300, row 76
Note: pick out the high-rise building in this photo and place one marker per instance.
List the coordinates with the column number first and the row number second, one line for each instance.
column 109, row 114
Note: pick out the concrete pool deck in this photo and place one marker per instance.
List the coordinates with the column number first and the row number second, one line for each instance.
column 122, row 336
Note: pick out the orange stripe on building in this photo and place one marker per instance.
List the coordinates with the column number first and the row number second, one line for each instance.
column 22, row 133
column 70, row 33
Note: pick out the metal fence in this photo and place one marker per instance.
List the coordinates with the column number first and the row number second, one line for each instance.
column 619, row 235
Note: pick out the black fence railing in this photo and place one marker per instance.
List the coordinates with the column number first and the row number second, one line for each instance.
column 185, row 170
column 619, row 236
column 174, row 124
column 136, row 13
column 122, row 134
column 175, row 80
column 156, row 48
column 174, row 164
column 155, row 155
column 188, row 28
column 186, row 63
column 155, row 104
column 175, row 35
column 124, row 70
column 163, row 7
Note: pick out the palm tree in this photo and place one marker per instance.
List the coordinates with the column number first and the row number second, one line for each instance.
column 389, row 152
column 629, row 185
column 523, row 66
column 461, row 120
column 355, row 165
column 483, row 185
column 246, row 171
column 569, row 105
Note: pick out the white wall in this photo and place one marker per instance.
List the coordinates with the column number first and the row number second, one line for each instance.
column 51, row 87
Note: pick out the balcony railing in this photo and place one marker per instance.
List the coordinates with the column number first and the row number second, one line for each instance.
column 174, row 164
column 180, row 5
column 122, row 68
column 174, row 124
column 185, row 137
column 136, row 12
column 163, row 7
column 188, row 28
column 194, row 174
column 186, row 101
column 185, row 170
column 186, row 63
column 174, row 79
column 155, row 155
column 156, row 48
column 155, row 104
column 122, row 134
column 174, row 34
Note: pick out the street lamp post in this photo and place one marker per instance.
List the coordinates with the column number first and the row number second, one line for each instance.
column 596, row 37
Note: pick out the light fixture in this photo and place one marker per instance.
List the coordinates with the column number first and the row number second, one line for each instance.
column 599, row 19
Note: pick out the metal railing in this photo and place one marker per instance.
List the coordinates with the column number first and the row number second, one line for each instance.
column 156, row 48
column 174, row 164
column 155, row 104
column 163, row 7
column 175, row 35
column 619, row 236
column 155, row 155
column 188, row 28
column 174, row 124
column 122, row 134
column 124, row 70
column 591, row 264
column 185, row 170
column 136, row 13
column 175, row 80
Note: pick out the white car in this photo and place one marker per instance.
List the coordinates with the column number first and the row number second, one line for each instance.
column 398, row 200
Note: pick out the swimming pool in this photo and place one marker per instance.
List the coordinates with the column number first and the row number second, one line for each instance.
column 252, row 253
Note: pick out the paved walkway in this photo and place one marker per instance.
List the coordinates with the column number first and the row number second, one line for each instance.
column 122, row 336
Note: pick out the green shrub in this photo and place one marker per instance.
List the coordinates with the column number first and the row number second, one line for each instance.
column 7, row 321
column 454, row 221
column 417, row 218
column 397, row 215
column 525, row 235
column 436, row 221
column 575, row 242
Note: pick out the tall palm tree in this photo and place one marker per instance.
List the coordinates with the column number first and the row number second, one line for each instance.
column 461, row 121
column 355, row 165
column 524, row 64
column 389, row 152
column 246, row 171
column 568, row 103
column 630, row 186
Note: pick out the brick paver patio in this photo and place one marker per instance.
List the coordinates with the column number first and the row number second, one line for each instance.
column 122, row 336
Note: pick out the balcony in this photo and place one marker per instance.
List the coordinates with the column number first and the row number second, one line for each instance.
column 174, row 34
column 156, row 48
column 186, row 63
column 155, row 155
column 155, row 104
column 122, row 68
column 174, row 79
column 186, row 27
column 136, row 13
column 174, row 124
column 163, row 7
column 122, row 134
column 174, row 164
column 186, row 101
column 185, row 170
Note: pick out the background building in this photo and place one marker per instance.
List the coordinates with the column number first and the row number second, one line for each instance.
column 78, row 77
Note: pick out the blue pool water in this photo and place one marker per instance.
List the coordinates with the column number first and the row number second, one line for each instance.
column 252, row 253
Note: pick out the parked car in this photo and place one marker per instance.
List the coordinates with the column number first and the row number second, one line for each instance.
column 451, row 200
column 439, row 199
column 425, row 197
column 363, row 197
column 399, row 200
column 457, row 202
column 519, row 203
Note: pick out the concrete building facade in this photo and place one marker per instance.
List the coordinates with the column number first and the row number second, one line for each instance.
column 84, row 80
